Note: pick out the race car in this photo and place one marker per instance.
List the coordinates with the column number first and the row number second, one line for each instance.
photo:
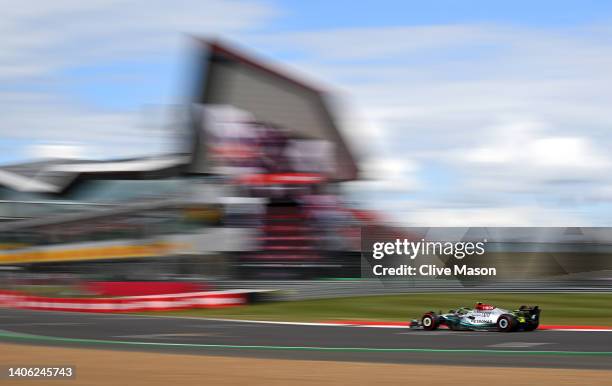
column 482, row 317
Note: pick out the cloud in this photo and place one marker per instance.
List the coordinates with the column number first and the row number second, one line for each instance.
column 509, row 215
column 48, row 36
column 529, row 154
column 350, row 45
column 42, row 42
column 387, row 175
column 518, row 116
column 56, row 150
column 63, row 131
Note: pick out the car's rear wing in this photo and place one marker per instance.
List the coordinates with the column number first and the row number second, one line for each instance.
column 529, row 310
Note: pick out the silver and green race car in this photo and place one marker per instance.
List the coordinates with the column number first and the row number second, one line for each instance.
column 482, row 317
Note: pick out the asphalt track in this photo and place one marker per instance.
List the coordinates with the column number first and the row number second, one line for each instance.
column 560, row 349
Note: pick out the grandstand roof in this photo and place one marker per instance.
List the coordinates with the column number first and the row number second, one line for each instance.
column 56, row 175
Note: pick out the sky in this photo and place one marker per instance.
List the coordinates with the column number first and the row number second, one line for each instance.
column 463, row 113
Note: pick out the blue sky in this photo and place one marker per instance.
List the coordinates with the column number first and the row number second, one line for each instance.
column 473, row 112
column 302, row 15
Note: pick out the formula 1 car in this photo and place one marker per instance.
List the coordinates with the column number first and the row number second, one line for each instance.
column 482, row 317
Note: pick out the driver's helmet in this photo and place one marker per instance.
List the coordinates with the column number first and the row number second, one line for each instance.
column 483, row 307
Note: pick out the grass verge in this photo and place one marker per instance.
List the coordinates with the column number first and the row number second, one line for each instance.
column 568, row 309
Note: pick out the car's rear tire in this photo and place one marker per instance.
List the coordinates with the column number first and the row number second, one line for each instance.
column 506, row 323
column 429, row 321
column 532, row 326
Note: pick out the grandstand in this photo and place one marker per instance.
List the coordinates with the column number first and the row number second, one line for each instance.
column 250, row 193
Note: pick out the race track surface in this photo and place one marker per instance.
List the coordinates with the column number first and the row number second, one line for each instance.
column 561, row 349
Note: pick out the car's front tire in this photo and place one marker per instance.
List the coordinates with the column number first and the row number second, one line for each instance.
column 506, row 323
column 430, row 321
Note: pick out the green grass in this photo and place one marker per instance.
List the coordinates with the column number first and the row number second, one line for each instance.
column 587, row 309
column 51, row 290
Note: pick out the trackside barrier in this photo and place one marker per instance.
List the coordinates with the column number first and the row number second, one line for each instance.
column 209, row 299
